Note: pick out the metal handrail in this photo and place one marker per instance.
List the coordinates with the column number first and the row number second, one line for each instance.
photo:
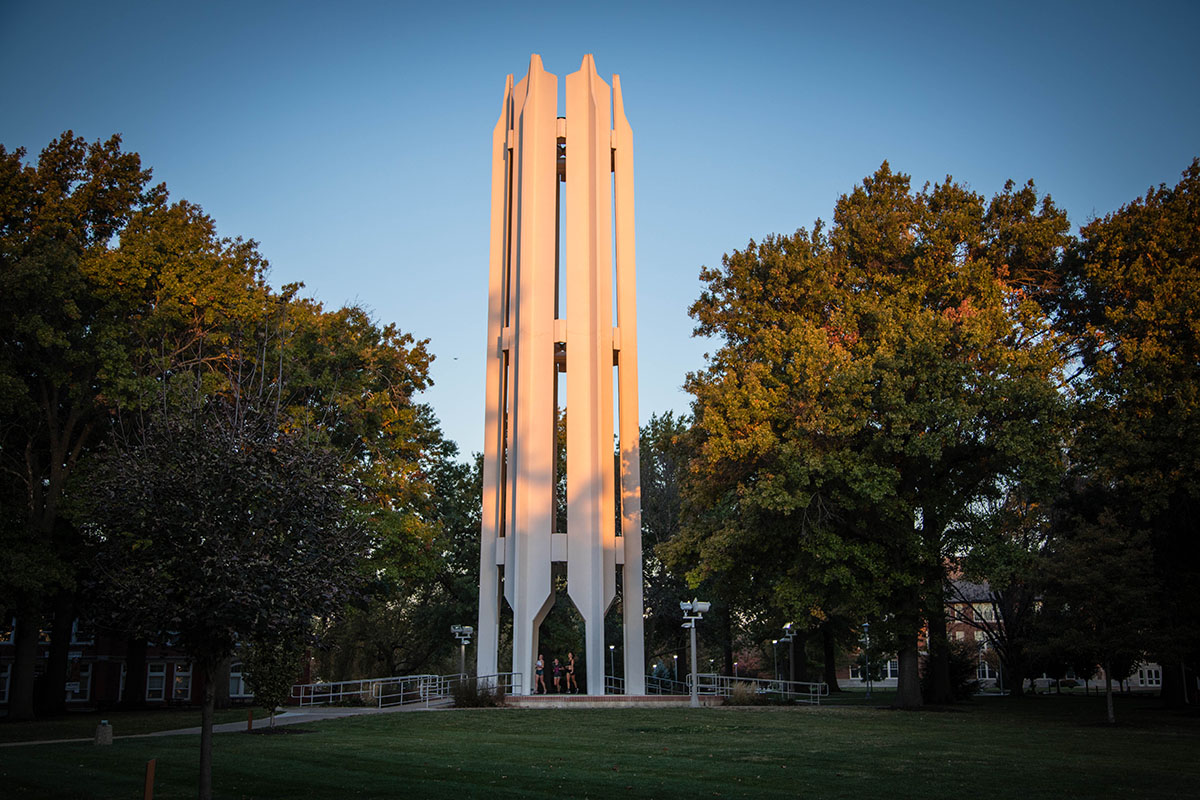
column 655, row 685
column 365, row 690
column 711, row 683
column 398, row 689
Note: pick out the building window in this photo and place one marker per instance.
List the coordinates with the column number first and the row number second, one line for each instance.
column 960, row 635
column 181, row 689
column 5, row 673
column 855, row 672
column 984, row 611
column 6, row 631
column 893, row 669
column 79, row 687
column 81, row 633
column 156, row 681
column 1150, row 676
column 980, row 636
column 237, row 681
column 985, row 671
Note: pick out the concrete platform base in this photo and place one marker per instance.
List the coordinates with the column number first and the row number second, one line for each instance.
column 607, row 701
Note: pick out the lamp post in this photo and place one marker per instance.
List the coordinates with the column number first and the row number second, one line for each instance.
column 675, row 666
column 693, row 611
column 735, row 674
column 611, row 663
column 789, row 636
column 775, row 653
column 463, row 633
column 867, row 654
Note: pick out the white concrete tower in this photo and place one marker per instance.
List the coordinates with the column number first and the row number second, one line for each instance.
column 530, row 341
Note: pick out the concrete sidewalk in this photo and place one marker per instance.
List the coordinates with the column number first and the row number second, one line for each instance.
column 292, row 716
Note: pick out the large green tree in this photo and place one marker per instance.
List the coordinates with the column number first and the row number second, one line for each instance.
column 1131, row 299
column 115, row 302
column 871, row 385
column 58, row 219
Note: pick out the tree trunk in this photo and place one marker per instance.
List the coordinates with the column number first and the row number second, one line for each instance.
column 908, row 688
column 940, row 692
column 206, row 733
column 830, row 647
column 1108, row 694
column 1014, row 677
column 54, row 694
column 221, row 677
column 25, row 647
column 801, row 652
column 135, row 674
column 1174, row 683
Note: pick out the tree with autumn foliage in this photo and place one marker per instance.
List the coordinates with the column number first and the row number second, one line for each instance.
column 116, row 302
column 872, row 384
column 1131, row 300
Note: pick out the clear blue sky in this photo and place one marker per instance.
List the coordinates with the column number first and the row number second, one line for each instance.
column 351, row 139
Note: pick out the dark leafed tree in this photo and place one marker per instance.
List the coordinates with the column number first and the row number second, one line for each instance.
column 871, row 385
column 213, row 527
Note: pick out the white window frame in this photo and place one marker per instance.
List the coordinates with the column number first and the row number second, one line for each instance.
column 856, row 672
column 91, row 637
column 237, row 682
column 893, row 668
column 156, row 680
column 85, row 685
column 181, row 683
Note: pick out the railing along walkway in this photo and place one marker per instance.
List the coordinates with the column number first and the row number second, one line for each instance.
column 796, row 691
column 398, row 690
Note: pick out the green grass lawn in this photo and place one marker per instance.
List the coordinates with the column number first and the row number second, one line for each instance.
column 995, row 748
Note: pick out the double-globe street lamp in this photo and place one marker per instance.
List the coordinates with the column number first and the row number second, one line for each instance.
column 693, row 612
column 464, row 634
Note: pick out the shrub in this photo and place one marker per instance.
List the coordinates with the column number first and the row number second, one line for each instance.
column 469, row 694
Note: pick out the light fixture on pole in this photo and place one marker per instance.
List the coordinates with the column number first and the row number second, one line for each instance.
column 675, row 666
column 693, row 612
column 611, row 664
column 867, row 654
column 789, row 636
column 775, row 653
column 735, row 674
column 464, row 634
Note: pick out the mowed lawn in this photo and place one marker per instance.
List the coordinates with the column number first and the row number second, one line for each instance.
column 1046, row 747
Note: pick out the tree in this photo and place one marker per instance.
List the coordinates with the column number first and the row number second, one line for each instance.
column 114, row 301
column 270, row 670
column 214, row 527
column 1099, row 593
column 872, row 385
column 1131, row 299
column 664, row 459
column 57, row 220
column 401, row 625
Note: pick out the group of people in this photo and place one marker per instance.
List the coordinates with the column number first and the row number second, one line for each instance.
column 560, row 671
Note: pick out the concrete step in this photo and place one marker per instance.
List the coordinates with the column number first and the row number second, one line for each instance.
column 607, row 701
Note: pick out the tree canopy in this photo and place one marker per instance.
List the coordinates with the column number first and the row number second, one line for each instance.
column 872, row 383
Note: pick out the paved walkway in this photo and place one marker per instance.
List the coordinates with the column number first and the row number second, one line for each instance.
column 293, row 716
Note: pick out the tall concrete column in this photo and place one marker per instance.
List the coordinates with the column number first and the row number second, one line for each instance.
column 533, row 150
